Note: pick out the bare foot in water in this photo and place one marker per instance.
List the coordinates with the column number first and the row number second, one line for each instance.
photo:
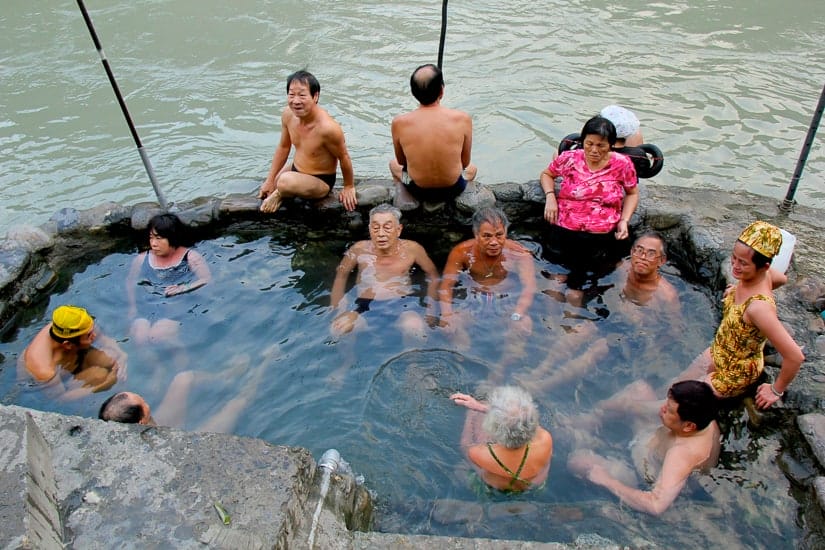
column 272, row 203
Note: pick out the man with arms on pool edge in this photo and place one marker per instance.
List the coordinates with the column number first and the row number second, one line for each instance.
column 319, row 147
column 688, row 440
column 384, row 262
column 432, row 143
column 65, row 345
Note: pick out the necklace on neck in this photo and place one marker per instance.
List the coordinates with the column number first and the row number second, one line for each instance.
column 490, row 267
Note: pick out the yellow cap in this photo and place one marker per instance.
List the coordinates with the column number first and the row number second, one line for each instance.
column 762, row 237
column 71, row 321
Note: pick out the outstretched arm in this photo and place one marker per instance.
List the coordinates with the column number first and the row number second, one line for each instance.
column 455, row 263
column 429, row 269
column 278, row 159
column 672, row 478
column 337, row 146
column 527, row 276
column 472, row 434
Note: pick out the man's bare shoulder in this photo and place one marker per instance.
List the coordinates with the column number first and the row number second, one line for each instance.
column 360, row 247
column 516, row 248
column 412, row 246
column 667, row 291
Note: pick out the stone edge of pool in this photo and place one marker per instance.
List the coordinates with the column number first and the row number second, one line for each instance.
column 101, row 482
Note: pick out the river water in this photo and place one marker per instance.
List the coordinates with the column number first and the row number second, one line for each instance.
column 726, row 89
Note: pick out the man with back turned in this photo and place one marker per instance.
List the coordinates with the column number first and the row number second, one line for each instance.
column 432, row 143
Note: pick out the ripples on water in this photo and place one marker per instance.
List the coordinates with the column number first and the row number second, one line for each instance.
column 726, row 89
column 383, row 402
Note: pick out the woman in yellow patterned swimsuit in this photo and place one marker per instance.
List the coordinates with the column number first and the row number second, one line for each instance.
column 735, row 359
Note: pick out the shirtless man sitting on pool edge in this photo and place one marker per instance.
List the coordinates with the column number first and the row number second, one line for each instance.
column 319, row 147
column 432, row 143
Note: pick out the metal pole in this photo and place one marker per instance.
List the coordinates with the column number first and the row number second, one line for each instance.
column 143, row 156
column 803, row 155
column 443, row 33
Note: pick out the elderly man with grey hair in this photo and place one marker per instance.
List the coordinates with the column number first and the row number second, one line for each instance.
column 503, row 439
column 384, row 284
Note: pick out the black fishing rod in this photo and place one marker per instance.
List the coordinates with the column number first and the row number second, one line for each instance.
column 803, row 155
column 144, row 157
column 443, row 33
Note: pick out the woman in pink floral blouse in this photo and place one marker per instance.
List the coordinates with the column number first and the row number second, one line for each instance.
column 595, row 200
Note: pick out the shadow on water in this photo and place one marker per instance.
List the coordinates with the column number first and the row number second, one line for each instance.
column 261, row 330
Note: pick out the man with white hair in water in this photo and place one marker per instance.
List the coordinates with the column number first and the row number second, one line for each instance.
column 503, row 439
column 384, row 283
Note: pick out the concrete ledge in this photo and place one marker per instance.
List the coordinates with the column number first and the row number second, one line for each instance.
column 154, row 487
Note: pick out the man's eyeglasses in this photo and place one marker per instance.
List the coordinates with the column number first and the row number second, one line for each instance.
column 646, row 253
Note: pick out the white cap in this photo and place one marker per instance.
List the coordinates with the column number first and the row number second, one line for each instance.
column 623, row 119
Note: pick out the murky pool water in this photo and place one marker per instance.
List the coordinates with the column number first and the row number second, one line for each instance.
column 382, row 400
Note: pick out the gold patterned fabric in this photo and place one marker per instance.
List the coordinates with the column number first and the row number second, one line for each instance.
column 762, row 237
column 737, row 348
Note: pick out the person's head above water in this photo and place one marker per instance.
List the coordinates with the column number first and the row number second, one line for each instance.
column 169, row 227
column 385, row 228
column 127, row 408
column 764, row 239
column 695, row 402
column 426, row 84
column 599, row 126
column 648, row 252
column 307, row 79
column 71, row 324
column 492, row 215
column 512, row 419
column 386, row 208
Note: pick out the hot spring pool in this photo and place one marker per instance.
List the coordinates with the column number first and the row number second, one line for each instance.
column 382, row 400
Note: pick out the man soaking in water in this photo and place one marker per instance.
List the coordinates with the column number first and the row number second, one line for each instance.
column 687, row 440
column 384, row 263
column 62, row 356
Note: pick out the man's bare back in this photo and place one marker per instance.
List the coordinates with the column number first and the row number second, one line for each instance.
column 432, row 144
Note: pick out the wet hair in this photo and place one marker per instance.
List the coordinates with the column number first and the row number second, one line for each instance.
column 600, row 126
column 121, row 408
column 75, row 340
column 386, row 208
column 512, row 419
column 426, row 83
column 306, row 78
column 650, row 234
column 168, row 226
column 696, row 402
column 491, row 215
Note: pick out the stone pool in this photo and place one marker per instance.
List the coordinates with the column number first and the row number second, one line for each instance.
column 383, row 403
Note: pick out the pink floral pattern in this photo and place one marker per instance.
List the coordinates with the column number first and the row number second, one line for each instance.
column 591, row 201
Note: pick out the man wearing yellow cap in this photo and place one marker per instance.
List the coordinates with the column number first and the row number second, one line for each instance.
column 65, row 345
column 735, row 359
